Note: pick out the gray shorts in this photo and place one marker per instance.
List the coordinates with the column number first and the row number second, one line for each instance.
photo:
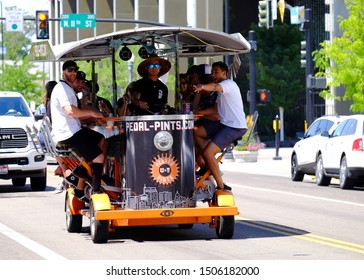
column 221, row 134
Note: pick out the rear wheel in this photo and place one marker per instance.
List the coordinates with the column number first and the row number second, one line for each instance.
column 99, row 229
column 295, row 174
column 18, row 182
column 321, row 178
column 225, row 227
column 345, row 181
column 73, row 222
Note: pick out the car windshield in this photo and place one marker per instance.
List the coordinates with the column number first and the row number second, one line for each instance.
column 13, row 106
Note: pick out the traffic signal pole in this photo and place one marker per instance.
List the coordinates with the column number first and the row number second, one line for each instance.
column 309, row 63
column 252, row 80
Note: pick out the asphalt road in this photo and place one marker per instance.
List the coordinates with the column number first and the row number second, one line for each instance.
column 279, row 220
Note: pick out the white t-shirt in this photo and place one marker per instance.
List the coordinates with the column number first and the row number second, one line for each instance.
column 63, row 126
column 230, row 105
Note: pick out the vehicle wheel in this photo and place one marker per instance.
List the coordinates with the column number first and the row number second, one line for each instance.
column 99, row 229
column 73, row 222
column 295, row 174
column 39, row 183
column 225, row 227
column 321, row 178
column 18, row 182
column 185, row 226
column 345, row 181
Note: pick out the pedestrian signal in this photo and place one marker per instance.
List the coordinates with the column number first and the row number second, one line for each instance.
column 264, row 96
column 42, row 24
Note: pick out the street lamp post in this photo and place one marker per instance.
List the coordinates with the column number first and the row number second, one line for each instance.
column 2, row 40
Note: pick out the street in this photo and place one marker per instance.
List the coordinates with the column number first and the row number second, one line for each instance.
column 279, row 220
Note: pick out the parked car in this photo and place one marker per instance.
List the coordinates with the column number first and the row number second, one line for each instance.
column 342, row 156
column 20, row 158
column 305, row 152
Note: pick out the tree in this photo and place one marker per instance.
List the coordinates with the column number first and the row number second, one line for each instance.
column 20, row 74
column 278, row 70
column 342, row 60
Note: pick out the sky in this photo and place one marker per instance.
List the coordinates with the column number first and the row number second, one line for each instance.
column 29, row 6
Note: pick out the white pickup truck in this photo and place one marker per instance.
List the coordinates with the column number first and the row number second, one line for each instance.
column 19, row 158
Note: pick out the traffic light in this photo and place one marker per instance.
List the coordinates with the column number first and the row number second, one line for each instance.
column 303, row 54
column 263, row 13
column 264, row 96
column 42, row 24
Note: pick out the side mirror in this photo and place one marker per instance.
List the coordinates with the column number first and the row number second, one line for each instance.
column 38, row 117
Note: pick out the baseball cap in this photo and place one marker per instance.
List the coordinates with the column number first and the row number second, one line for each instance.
column 68, row 64
column 81, row 76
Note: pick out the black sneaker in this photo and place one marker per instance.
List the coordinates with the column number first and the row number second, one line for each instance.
column 72, row 180
column 227, row 188
column 202, row 171
column 80, row 194
column 81, row 172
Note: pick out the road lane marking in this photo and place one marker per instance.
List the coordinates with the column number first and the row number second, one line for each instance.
column 30, row 244
column 300, row 234
column 301, row 195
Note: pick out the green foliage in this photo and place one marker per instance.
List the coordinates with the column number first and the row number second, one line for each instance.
column 342, row 61
column 278, row 69
column 20, row 74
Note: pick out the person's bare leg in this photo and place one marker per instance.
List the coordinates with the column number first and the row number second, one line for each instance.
column 209, row 155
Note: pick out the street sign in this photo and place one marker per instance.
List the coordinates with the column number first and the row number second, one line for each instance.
column 78, row 20
column 41, row 51
column 14, row 21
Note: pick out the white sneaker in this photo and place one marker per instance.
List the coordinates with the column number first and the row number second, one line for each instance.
column 60, row 187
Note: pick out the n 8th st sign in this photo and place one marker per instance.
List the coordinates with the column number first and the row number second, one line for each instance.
column 78, row 21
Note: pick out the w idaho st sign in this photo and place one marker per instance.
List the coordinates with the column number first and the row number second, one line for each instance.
column 78, row 21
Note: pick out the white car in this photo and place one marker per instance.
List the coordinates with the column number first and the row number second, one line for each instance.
column 343, row 154
column 20, row 158
column 305, row 152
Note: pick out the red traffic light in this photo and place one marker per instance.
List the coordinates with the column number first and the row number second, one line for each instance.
column 42, row 24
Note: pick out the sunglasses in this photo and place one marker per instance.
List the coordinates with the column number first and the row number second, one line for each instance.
column 151, row 66
column 71, row 69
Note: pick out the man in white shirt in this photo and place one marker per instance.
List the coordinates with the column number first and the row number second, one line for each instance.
column 66, row 126
column 211, row 138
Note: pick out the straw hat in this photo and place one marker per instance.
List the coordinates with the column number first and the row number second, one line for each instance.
column 165, row 65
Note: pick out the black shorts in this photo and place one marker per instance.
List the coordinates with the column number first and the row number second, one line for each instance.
column 85, row 142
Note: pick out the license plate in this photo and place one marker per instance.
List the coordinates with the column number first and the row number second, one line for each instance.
column 3, row 169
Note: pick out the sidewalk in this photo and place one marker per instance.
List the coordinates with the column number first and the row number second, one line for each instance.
column 265, row 164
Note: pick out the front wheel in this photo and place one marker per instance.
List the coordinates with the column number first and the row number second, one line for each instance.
column 99, row 229
column 225, row 227
column 73, row 222
column 18, row 182
column 39, row 183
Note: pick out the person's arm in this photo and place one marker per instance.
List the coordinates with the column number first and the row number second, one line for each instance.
column 73, row 111
column 208, row 87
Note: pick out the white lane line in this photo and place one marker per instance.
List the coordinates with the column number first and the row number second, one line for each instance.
column 30, row 244
column 301, row 195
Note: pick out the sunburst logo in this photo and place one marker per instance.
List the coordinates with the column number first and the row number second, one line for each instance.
column 164, row 170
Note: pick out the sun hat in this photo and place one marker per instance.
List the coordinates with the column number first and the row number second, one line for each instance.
column 164, row 63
